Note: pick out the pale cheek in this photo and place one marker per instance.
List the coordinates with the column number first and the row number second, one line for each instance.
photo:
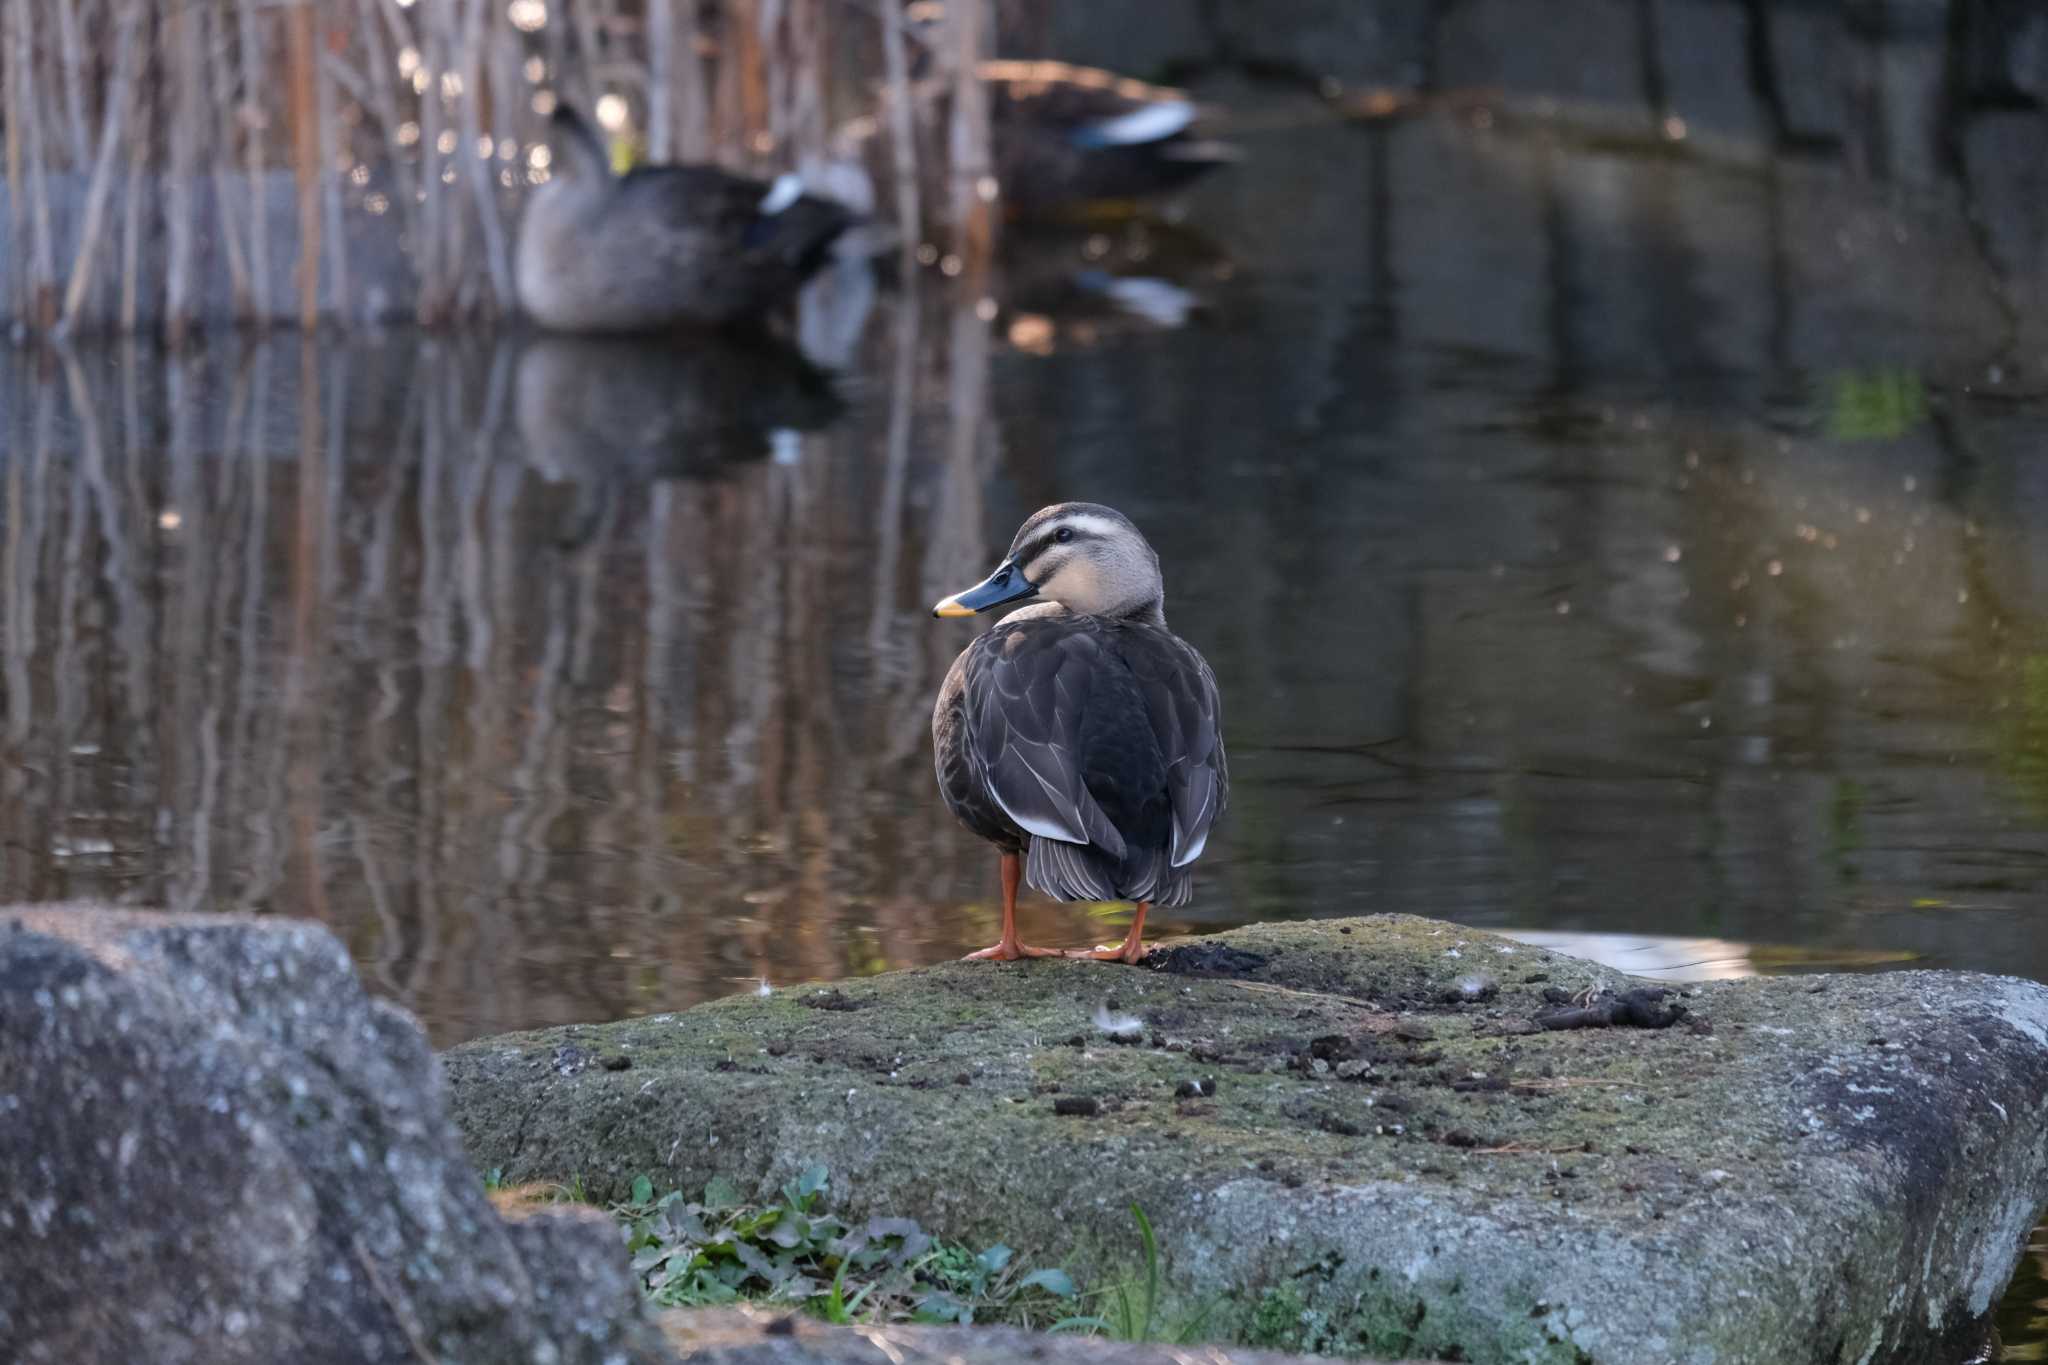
column 1077, row 584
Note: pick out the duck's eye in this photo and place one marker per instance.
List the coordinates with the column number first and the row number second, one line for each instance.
column 1064, row 534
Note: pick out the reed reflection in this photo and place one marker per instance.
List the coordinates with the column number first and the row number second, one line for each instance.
column 561, row 678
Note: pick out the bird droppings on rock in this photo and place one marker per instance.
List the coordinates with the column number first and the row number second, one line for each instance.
column 1642, row 1007
column 1204, row 957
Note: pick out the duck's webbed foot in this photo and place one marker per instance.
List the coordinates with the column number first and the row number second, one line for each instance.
column 1131, row 950
column 1009, row 950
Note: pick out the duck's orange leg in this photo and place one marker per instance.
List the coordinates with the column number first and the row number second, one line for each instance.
column 1130, row 950
column 1007, row 948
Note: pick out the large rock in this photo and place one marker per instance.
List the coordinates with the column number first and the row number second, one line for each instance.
column 1395, row 1158
column 215, row 1148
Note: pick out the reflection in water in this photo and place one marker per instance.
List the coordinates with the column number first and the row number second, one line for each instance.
column 566, row 680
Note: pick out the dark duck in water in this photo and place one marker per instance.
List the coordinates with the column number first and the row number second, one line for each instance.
column 1065, row 136
column 1080, row 736
column 662, row 246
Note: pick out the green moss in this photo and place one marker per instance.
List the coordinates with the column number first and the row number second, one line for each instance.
column 1276, row 1322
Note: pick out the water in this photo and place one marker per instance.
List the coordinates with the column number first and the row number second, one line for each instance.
column 1580, row 545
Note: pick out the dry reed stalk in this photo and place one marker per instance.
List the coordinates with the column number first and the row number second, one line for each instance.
column 41, row 293
column 12, row 117
column 474, row 168
column 329, row 152
column 222, row 163
column 73, row 62
column 131, row 225
column 252, row 118
column 435, row 253
column 973, row 206
column 902, row 136
column 661, row 71
column 181, row 68
column 120, row 94
column 300, row 80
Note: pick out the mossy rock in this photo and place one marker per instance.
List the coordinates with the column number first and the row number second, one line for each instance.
column 1395, row 1159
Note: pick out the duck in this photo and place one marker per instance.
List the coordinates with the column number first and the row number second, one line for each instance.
column 1079, row 734
column 1065, row 136
column 662, row 246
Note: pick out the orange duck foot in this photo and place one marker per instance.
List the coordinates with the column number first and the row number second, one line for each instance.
column 1009, row 950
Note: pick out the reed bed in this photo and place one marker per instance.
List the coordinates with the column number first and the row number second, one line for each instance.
column 172, row 164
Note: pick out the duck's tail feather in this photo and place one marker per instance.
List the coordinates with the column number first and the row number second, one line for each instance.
column 1083, row 872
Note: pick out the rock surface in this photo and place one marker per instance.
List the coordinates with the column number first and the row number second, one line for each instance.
column 753, row 1336
column 1395, row 1157
column 214, row 1148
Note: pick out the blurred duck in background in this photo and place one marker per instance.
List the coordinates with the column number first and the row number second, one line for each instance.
column 663, row 246
column 1065, row 136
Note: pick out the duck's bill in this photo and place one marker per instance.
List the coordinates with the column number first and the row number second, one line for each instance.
column 1006, row 584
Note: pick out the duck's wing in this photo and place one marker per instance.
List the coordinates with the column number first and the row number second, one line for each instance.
column 754, row 218
column 1186, row 712
column 1027, row 692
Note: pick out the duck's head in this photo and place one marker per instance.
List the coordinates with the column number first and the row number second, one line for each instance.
column 1086, row 557
column 579, row 154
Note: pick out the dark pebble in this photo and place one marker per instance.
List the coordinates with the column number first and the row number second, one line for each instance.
column 1344, row 929
column 963, row 1079
column 784, row 1326
column 1076, row 1107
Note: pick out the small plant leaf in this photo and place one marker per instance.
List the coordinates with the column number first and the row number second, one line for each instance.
column 721, row 1194
column 811, row 1182
column 643, row 1190
column 1056, row 1282
column 995, row 1258
column 1091, row 1325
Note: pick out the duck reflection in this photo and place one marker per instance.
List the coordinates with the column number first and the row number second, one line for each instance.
column 1083, row 283
column 607, row 414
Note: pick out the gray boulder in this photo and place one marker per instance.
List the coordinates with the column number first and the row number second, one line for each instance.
column 1359, row 1137
column 214, row 1147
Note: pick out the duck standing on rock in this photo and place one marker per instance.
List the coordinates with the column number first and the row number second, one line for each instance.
column 1080, row 736
column 662, row 246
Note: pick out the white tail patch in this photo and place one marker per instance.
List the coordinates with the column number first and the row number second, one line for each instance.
column 1149, row 123
column 1155, row 300
column 787, row 189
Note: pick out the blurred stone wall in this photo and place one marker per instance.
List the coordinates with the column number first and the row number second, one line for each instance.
column 1948, row 97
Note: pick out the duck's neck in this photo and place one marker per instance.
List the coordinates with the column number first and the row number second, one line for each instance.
column 1152, row 613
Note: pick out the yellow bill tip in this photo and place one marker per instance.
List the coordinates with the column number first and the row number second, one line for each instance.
column 950, row 606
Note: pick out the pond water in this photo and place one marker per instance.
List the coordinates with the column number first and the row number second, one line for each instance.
column 1580, row 545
